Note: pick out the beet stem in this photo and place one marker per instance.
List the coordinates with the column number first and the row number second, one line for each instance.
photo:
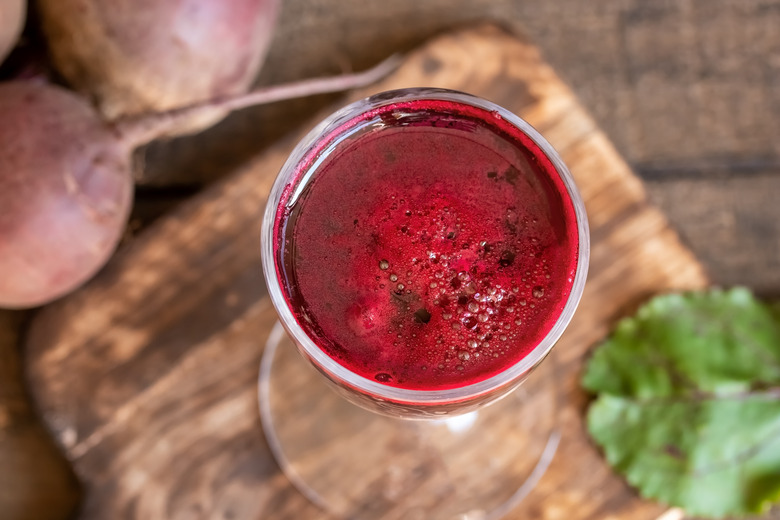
column 138, row 130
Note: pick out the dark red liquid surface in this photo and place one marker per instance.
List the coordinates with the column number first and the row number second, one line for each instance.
column 433, row 248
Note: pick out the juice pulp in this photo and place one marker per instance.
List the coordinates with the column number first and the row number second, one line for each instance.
column 426, row 245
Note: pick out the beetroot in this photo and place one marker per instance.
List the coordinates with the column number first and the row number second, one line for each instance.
column 138, row 56
column 65, row 183
column 12, row 13
column 65, row 192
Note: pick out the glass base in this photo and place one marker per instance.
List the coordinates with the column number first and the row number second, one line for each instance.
column 357, row 464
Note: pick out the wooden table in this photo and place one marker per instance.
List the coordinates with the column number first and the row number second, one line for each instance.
column 664, row 181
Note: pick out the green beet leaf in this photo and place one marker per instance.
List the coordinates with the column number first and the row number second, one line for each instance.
column 688, row 402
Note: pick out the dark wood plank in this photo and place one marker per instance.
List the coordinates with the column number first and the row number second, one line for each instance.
column 733, row 221
column 712, row 78
column 147, row 376
column 36, row 483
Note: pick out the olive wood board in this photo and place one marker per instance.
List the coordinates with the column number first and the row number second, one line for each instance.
column 147, row 376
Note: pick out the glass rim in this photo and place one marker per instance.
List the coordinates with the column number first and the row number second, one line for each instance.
column 342, row 374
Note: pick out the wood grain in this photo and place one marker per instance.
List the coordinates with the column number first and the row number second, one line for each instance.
column 147, row 376
column 733, row 220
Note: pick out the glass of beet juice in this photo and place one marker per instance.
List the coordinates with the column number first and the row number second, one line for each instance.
column 424, row 250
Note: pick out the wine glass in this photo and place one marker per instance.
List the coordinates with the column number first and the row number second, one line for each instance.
column 413, row 317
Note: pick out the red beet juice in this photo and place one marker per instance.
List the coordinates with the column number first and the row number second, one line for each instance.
column 426, row 244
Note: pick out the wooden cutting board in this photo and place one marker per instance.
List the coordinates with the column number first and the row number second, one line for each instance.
column 148, row 375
